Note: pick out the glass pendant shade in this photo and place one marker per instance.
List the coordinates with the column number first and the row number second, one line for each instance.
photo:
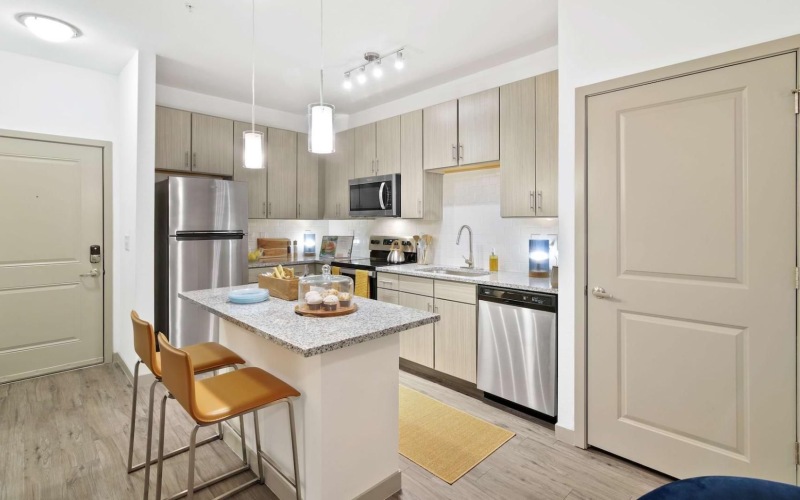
column 253, row 149
column 320, row 128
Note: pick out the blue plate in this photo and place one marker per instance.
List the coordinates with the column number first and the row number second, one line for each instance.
column 248, row 296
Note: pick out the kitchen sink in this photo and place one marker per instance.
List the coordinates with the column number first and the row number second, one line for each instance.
column 455, row 271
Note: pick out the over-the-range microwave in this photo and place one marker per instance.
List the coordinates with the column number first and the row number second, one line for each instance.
column 377, row 196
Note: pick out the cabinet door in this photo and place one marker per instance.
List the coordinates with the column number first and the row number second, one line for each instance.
column 256, row 178
column 390, row 296
column 456, row 340
column 339, row 170
column 440, row 129
column 364, row 157
column 417, row 344
column 479, row 127
column 281, row 174
column 518, row 141
column 547, row 144
column 173, row 139
column 212, row 145
column 387, row 133
column 308, row 192
column 411, row 173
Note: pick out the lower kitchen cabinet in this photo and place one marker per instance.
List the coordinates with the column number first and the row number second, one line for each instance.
column 456, row 340
column 417, row 344
column 390, row 296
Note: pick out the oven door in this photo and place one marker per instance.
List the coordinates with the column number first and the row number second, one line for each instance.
column 373, row 280
column 377, row 196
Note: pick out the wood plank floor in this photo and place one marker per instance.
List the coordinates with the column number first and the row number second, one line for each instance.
column 65, row 436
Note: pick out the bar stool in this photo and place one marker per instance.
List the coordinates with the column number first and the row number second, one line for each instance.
column 216, row 399
column 209, row 356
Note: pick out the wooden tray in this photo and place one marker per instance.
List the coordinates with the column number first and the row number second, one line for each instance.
column 340, row 311
column 283, row 289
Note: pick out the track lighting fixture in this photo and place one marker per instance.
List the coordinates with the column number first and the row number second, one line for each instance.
column 375, row 60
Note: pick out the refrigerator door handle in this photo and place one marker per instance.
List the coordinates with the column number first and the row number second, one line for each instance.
column 209, row 235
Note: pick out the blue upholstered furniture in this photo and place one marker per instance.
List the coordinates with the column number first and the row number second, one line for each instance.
column 724, row 488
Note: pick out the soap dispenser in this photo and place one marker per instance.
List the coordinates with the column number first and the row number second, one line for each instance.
column 494, row 262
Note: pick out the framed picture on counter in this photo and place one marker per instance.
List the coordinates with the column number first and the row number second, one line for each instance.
column 336, row 247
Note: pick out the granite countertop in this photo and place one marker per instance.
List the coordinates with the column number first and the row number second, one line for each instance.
column 276, row 320
column 517, row 281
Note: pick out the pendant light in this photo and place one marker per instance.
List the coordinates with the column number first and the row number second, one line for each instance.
column 320, row 115
column 253, row 156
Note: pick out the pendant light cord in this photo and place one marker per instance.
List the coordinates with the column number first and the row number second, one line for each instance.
column 253, row 70
column 321, row 52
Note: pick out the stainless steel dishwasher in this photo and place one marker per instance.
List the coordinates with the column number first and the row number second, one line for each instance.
column 517, row 347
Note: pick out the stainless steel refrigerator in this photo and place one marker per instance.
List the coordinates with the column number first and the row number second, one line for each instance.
column 201, row 242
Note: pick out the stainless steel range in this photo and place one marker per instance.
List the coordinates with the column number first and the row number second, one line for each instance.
column 379, row 248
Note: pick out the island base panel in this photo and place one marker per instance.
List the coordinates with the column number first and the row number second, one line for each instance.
column 347, row 416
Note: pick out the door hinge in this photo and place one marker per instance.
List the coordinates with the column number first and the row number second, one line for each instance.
column 797, row 453
column 797, row 278
column 796, row 93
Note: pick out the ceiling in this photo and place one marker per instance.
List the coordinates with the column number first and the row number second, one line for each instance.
column 207, row 49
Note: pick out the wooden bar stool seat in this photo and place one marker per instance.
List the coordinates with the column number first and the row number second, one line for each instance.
column 212, row 400
column 210, row 356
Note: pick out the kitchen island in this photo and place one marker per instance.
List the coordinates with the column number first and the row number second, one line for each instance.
column 347, row 371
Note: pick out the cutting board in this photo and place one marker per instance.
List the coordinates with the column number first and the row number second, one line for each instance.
column 268, row 243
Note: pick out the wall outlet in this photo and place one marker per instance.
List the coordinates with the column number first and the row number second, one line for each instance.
column 127, row 243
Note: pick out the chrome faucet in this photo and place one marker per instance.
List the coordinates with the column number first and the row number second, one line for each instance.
column 470, row 261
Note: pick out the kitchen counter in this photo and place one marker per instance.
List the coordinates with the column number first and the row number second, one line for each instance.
column 346, row 370
column 298, row 261
column 517, row 281
column 276, row 320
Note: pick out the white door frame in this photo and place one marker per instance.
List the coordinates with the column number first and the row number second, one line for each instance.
column 107, row 222
column 582, row 94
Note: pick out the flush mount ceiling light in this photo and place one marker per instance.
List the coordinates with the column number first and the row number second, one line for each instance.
column 48, row 28
column 253, row 156
column 374, row 60
column 320, row 115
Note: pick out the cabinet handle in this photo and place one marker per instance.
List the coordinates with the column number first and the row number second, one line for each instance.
column 194, row 160
column 453, row 146
column 530, row 204
column 460, row 151
column 186, row 159
column 539, row 200
column 429, row 308
column 270, row 209
column 298, row 210
column 419, row 207
column 264, row 208
column 436, row 309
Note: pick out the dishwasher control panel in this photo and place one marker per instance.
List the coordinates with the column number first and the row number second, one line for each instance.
column 518, row 296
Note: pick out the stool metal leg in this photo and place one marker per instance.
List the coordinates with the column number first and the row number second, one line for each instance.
column 147, row 461
column 294, row 449
column 160, row 451
column 258, row 448
column 190, row 486
column 244, row 443
column 133, row 414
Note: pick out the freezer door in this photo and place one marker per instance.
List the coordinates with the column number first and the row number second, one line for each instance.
column 197, row 264
column 206, row 204
column 517, row 355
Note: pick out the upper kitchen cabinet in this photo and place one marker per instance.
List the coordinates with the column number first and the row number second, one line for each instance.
column 308, row 185
column 529, row 147
column 339, row 170
column 479, row 127
column 281, row 174
column 173, row 139
column 421, row 192
column 256, row 178
column 377, row 148
column 387, row 146
column 212, row 145
column 364, row 154
column 440, row 129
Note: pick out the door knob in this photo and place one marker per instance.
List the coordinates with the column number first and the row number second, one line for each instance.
column 91, row 274
column 601, row 293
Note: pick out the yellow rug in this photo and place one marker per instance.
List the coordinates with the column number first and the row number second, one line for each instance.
column 445, row 441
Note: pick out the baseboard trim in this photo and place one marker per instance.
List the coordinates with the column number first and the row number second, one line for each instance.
column 565, row 435
column 144, row 378
column 285, row 491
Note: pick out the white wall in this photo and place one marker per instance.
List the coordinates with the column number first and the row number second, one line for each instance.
column 217, row 106
column 512, row 71
column 604, row 39
column 471, row 198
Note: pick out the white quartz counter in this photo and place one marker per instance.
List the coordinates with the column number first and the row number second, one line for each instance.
column 503, row 279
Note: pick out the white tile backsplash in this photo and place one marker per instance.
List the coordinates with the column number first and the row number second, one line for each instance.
column 471, row 198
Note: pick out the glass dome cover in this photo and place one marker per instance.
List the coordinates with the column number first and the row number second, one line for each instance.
column 325, row 292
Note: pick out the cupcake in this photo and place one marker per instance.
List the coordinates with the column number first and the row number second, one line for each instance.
column 344, row 299
column 330, row 292
column 330, row 303
column 314, row 300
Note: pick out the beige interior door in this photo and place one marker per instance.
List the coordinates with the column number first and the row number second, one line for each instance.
column 51, row 212
column 691, row 235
